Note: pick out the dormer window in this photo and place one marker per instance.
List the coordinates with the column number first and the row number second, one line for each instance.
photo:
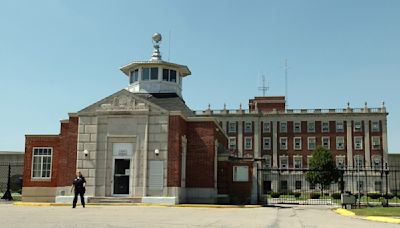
column 169, row 75
column 150, row 73
column 134, row 76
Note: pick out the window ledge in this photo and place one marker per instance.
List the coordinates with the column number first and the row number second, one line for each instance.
column 41, row 179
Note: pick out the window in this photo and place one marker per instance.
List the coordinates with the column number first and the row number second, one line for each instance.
column 340, row 162
column 240, row 173
column 297, row 127
column 358, row 161
column 339, row 126
column 232, row 143
column 248, row 143
column 283, row 143
column 311, row 126
column 357, row 126
column 284, row 186
column 267, row 127
column 376, row 142
column 283, row 127
column 340, row 143
column 248, row 127
column 284, row 162
column 41, row 162
column 326, row 142
column 267, row 164
column 150, row 74
column 358, row 143
column 297, row 143
column 360, row 185
column 169, row 75
column 325, row 127
column 134, row 77
column 375, row 126
column 378, row 186
column 298, row 162
column 377, row 162
column 266, row 143
column 311, row 143
column 298, row 185
column 231, row 127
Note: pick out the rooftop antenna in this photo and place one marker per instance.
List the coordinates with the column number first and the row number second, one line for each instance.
column 264, row 87
column 286, row 68
column 169, row 44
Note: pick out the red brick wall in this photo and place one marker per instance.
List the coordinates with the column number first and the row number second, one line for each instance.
column 200, row 154
column 45, row 141
column 267, row 103
column 239, row 192
column 64, row 156
column 176, row 129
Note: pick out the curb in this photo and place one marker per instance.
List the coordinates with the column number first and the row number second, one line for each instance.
column 348, row 213
column 382, row 219
column 345, row 212
column 38, row 204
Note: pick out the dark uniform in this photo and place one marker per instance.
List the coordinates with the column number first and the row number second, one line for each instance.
column 79, row 190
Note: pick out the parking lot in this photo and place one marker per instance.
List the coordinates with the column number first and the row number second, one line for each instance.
column 153, row 216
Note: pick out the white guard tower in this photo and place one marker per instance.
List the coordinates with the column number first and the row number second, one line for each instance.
column 155, row 76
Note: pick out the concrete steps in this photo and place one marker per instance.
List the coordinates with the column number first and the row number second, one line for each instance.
column 116, row 200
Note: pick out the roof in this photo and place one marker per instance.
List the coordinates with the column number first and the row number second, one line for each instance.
column 12, row 152
column 167, row 101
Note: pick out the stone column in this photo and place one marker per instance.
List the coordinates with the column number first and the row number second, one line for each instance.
column 274, row 144
column 87, row 140
column 254, row 184
column 240, row 138
column 145, row 158
column 367, row 147
column 256, row 139
column 349, row 144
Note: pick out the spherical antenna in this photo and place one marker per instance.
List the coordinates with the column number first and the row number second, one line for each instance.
column 157, row 37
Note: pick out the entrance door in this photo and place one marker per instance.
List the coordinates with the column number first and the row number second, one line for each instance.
column 121, row 176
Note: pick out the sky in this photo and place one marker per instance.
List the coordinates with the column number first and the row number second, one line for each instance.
column 58, row 57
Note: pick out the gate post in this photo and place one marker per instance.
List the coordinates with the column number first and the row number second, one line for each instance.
column 7, row 195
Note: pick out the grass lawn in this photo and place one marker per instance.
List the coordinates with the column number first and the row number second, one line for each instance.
column 378, row 211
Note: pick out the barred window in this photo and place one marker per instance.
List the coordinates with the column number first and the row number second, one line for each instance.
column 41, row 162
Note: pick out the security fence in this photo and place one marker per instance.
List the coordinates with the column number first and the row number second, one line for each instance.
column 11, row 178
column 369, row 185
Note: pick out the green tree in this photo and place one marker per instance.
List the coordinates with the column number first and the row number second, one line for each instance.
column 323, row 171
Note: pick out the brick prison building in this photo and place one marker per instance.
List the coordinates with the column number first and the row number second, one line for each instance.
column 144, row 144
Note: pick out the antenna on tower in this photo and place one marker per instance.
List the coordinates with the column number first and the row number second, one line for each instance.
column 264, row 87
column 169, row 44
column 286, row 68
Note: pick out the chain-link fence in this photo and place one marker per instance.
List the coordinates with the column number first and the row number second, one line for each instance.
column 369, row 185
column 14, row 171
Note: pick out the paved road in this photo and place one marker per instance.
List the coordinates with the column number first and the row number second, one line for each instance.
column 134, row 216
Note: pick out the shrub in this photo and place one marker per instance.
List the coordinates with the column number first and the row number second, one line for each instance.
column 315, row 195
column 336, row 195
column 374, row 195
column 291, row 193
column 356, row 195
column 388, row 196
column 297, row 194
column 275, row 194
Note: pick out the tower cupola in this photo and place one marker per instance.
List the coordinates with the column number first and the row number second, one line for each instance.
column 155, row 75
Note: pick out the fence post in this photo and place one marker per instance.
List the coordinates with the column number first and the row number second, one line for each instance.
column 387, row 185
column 7, row 195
